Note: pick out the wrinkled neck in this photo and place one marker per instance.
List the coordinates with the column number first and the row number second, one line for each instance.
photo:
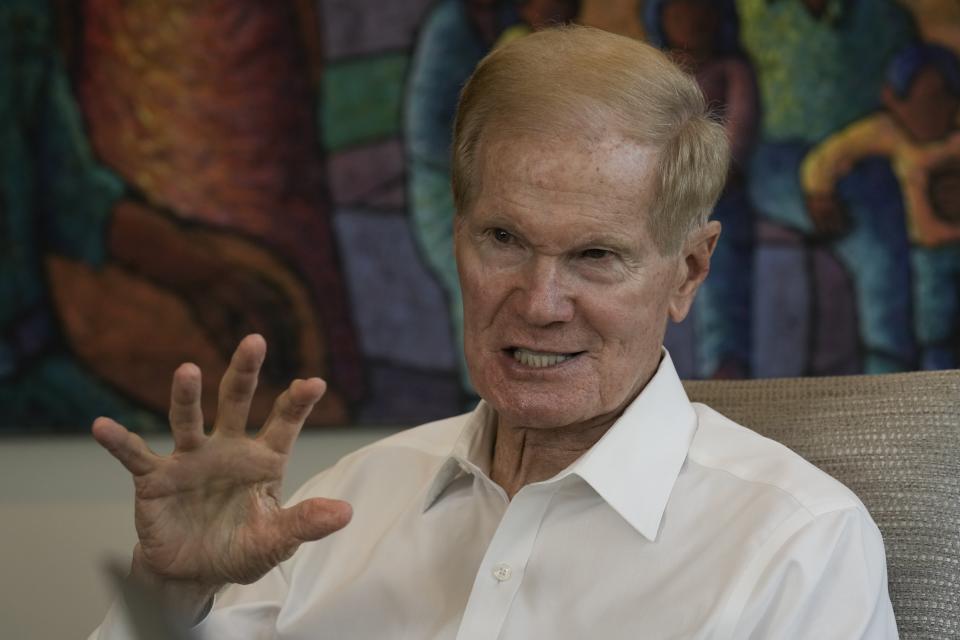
column 524, row 455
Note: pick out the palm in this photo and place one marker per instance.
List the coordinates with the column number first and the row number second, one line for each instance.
column 204, row 516
column 210, row 512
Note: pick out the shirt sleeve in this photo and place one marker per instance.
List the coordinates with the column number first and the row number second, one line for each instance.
column 115, row 626
column 246, row 611
column 819, row 578
column 836, row 156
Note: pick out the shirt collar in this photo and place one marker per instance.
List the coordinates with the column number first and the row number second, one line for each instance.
column 633, row 467
column 472, row 452
column 636, row 463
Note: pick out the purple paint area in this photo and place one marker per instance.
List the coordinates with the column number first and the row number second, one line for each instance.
column 398, row 308
column 370, row 177
column 408, row 398
column 33, row 333
column 781, row 311
column 772, row 233
column 358, row 27
column 835, row 336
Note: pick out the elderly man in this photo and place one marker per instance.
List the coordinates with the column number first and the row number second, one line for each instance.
column 585, row 497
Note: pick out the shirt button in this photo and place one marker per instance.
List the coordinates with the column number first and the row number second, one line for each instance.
column 502, row 571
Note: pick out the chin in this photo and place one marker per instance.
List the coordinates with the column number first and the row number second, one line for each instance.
column 537, row 410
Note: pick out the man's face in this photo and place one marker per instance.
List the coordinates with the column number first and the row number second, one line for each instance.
column 565, row 296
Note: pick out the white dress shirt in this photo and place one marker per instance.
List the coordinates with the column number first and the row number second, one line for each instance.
column 678, row 523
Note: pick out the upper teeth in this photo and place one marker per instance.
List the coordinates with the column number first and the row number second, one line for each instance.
column 537, row 359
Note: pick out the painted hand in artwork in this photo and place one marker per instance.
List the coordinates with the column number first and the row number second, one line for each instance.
column 945, row 191
column 210, row 513
column 828, row 215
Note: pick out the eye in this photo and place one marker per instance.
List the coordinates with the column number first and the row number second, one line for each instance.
column 596, row 254
column 501, row 236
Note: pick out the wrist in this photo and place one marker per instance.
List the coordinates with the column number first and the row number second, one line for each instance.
column 186, row 600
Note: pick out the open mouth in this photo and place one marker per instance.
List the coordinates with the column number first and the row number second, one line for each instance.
column 539, row 359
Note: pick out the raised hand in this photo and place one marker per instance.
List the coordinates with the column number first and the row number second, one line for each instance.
column 210, row 513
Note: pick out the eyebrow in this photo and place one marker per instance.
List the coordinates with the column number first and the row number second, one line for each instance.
column 596, row 239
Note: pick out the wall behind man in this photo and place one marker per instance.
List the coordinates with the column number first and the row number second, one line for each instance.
column 66, row 507
column 184, row 176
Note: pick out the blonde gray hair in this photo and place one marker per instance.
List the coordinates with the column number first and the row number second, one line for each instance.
column 579, row 81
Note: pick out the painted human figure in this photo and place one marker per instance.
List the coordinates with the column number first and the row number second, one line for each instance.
column 820, row 66
column 452, row 40
column 54, row 198
column 918, row 132
column 59, row 206
column 701, row 35
column 208, row 114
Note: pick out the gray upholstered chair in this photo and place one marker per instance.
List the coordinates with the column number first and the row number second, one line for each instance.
column 895, row 441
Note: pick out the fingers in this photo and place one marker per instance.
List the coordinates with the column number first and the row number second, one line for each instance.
column 129, row 448
column 315, row 518
column 238, row 385
column 289, row 413
column 186, row 416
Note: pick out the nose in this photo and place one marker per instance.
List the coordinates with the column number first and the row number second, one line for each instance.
column 544, row 298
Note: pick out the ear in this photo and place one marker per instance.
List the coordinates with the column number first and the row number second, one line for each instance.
column 694, row 268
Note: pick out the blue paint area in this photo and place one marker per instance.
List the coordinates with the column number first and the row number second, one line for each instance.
column 447, row 50
column 681, row 341
column 874, row 251
column 937, row 304
column 723, row 305
column 781, row 325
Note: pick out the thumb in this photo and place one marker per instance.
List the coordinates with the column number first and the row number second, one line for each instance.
column 315, row 518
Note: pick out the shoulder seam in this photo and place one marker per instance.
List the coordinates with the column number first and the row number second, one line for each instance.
column 814, row 509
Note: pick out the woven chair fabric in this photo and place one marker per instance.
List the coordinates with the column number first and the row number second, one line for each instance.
column 894, row 440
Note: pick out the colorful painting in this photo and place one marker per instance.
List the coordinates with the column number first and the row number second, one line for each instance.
column 175, row 175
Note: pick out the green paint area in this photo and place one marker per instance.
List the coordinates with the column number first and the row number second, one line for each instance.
column 819, row 75
column 362, row 100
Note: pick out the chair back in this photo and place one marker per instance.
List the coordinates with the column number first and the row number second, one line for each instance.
column 894, row 440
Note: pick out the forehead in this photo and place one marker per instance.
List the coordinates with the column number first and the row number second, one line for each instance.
column 610, row 168
column 609, row 175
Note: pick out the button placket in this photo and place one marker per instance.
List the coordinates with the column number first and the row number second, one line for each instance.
column 503, row 566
